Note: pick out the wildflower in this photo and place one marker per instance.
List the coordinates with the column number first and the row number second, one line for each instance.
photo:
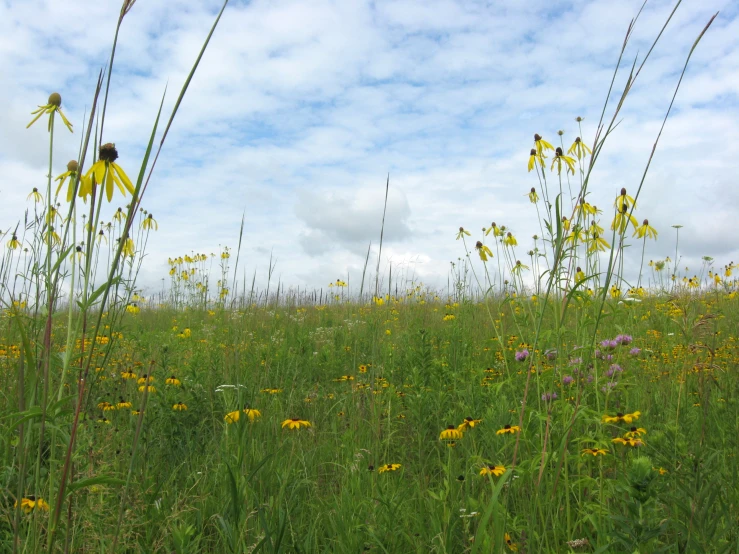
column 626, row 418
column 628, row 442
column 119, row 215
column 30, row 503
column 559, row 157
column 510, row 240
column 128, row 248
column 492, row 470
column 521, row 355
column 594, row 452
column 106, row 172
column 495, row 229
column 510, row 429
column 579, row 148
column 579, row 275
column 151, row 223
column 624, row 199
column 103, row 420
column 449, row 317
column 635, row 351
column 534, row 157
column 14, row 243
column 468, row 423
column 451, row 433
column 597, row 244
column 72, row 174
column 132, row 308
column 36, row 195
column 363, row 368
column 106, row 406
column 295, row 423
column 128, row 374
column 584, row 208
column 462, row 232
column 661, row 471
column 512, row 546
column 645, row 230
column 567, row 380
column 271, row 391
column 145, row 388
column 549, row 396
column 519, row 267
column 123, row 404
column 54, row 105
column 172, row 380
column 635, row 432
column 533, row 197
column 541, row 145
column 344, row 378
column 102, row 237
column 624, row 340
column 180, row 407
column 388, row 467
column 146, row 379
column 483, row 251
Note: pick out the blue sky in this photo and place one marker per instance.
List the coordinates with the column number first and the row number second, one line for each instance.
column 300, row 109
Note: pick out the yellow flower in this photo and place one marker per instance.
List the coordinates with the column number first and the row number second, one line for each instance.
column 106, row 172
column 119, row 215
column 129, row 249
column 495, row 229
column 645, row 230
column 492, row 470
column 594, row 452
column 630, row 442
column 295, row 423
column 451, row 433
column 584, row 208
column 541, row 145
column 151, row 223
column 597, row 244
column 468, row 423
column 133, row 308
column 172, row 380
column 483, row 251
column 534, row 157
column 14, row 243
column 635, row 432
column 146, row 379
column 512, row 546
column 128, row 375
column 579, row 275
column 106, row 406
column 579, row 148
column 149, row 388
column 462, row 232
column 71, row 174
column 626, row 418
column 559, row 157
column 30, row 503
column 519, row 267
column 180, row 407
column 508, row 429
column 36, row 195
column 54, row 105
column 510, row 240
column 388, row 467
column 622, row 199
column 622, row 219
column 122, row 404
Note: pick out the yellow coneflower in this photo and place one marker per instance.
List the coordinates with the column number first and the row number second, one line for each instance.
column 468, row 423
column 179, row 407
column 492, row 470
column 511, row 429
column 541, row 145
column 54, row 105
column 149, row 388
column 624, row 199
column 344, row 378
column 295, row 423
column 560, row 157
column 388, row 467
column 123, row 404
column 622, row 219
column 14, row 243
column 483, row 251
column 629, row 442
column 272, row 391
column 579, row 148
column 103, row 420
column 106, row 406
column 135, row 412
column 535, row 158
column 462, row 232
column 149, row 223
column 119, row 216
column 619, row 417
column 533, row 197
column 133, row 308
column 128, row 374
column 72, row 174
column 107, row 173
column 510, row 240
column 594, row 452
column 129, row 249
column 36, row 195
column 172, row 380
column 645, row 230
column 145, row 379
column 451, row 433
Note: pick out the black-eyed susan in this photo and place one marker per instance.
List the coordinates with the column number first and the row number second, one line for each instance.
column 179, row 407
column 635, row 432
column 146, row 379
column 295, row 423
column 123, row 404
column 172, row 380
column 620, row 417
column 510, row 429
column 54, row 105
column 468, row 423
column 251, row 413
column 106, row 406
column 128, row 374
column 512, row 546
column 147, row 388
column 451, row 433
column 593, row 452
column 388, row 467
column 363, row 368
column 107, row 173
column 492, row 470
column 628, row 442
column 30, row 503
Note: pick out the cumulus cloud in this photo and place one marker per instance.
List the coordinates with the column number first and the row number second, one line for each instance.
column 300, row 108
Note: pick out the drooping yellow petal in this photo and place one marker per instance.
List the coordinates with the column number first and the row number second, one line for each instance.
column 122, row 174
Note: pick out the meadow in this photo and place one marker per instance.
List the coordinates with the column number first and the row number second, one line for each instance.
column 547, row 400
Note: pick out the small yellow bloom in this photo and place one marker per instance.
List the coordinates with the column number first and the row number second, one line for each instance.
column 180, row 407
column 579, row 148
column 151, row 223
column 388, row 467
column 635, row 432
column 511, row 429
column 594, row 452
column 133, row 308
column 129, row 249
column 462, row 232
column 172, row 380
column 54, row 105
column 483, row 251
column 541, row 145
column 451, row 433
column 72, row 174
column 295, row 423
column 492, row 470
column 645, row 230
column 510, row 240
column 14, row 243
column 107, row 173
column 36, row 195
column 559, row 157
column 619, row 417
column 512, row 546
column 30, row 503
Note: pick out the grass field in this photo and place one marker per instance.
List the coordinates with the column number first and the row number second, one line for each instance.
column 554, row 404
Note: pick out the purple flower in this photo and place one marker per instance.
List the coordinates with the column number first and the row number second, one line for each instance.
column 549, row 396
column 609, row 343
column 635, row 351
column 575, row 361
column 608, row 386
column 613, row 369
column 608, row 357
column 522, row 355
column 566, row 380
column 624, row 340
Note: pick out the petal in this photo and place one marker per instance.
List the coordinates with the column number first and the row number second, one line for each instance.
column 123, row 177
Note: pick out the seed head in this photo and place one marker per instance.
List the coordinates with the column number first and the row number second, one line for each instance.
column 537, row 137
column 108, row 153
column 577, row 139
column 73, row 166
column 533, row 152
column 559, row 151
column 623, row 192
column 533, row 189
column 55, row 99
column 560, row 132
column 646, row 222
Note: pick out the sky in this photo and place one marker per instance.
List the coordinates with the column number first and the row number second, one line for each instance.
column 300, row 109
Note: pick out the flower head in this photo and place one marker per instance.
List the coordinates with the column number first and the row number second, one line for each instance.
column 533, row 197
column 560, row 157
column 451, row 433
column 468, row 423
column 620, row 417
column 510, row 429
column 388, row 467
column 579, row 148
column 106, row 172
column 295, row 423
column 180, row 407
column 594, row 452
column 30, row 503
column 483, row 251
column 54, row 105
column 172, row 380
column 492, row 470
column 645, row 231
